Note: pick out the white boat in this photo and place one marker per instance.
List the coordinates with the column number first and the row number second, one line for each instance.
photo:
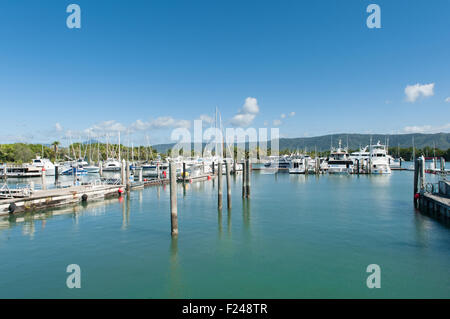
column 112, row 165
column 339, row 161
column 379, row 162
column 43, row 164
column 298, row 165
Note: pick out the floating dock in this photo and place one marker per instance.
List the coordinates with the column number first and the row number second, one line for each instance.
column 43, row 199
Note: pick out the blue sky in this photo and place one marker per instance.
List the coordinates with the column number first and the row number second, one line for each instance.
column 166, row 63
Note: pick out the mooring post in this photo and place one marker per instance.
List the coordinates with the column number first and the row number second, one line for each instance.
column 357, row 166
column 56, row 174
column 234, row 167
column 442, row 164
column 248, row 181
column 74, row 173
column 157, row 171
column 219, row 181
column 184, row 171
column 44, row 184
column 141, row 174
column 173, row 199
column 416, row 181
column 128, row 177
column 317, row 165
column 213, row 168
column 422, row 174
column 244, row 180
column 122, row 173
column 228, row 184
column 100, row 166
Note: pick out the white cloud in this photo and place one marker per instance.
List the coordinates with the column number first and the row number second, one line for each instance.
column 276, row 122
column 250, row 106
column 247, row 114
column 291, row 114
column 169, row 122
column 107, row 126
column 447, row 100
column 413, row 92
column 207, row 119
column 427, row 129
column 283, row 115
column 58, row 127
column 140, row 125
column 159, row 123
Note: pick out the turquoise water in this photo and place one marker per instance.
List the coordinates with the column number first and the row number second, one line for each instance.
column 297, row 237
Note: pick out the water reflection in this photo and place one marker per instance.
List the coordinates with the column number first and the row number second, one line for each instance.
column 175, row 277
column 28, row 220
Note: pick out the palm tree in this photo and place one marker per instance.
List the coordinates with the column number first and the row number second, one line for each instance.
column 55, row 148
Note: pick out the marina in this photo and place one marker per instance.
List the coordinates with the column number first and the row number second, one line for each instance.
column 336, row 223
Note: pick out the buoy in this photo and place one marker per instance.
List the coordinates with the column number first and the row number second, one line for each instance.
column 12, row 208
column 416, row 195
column 84, row 197
column 209, row 178
column 120, row 191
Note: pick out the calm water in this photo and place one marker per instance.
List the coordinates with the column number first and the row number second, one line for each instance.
column 297, row 237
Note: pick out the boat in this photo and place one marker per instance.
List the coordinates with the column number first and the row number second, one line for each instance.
column 339, row 161
column 43, row 164
column 112, row 165
column 379, row 161
column 278, row 162
column 298, row 165
column 78, row 171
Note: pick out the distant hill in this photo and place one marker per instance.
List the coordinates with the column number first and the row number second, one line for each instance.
column 441, row 140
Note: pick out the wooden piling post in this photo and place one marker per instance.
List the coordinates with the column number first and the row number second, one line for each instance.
column 184, row 171
column 442, row 164
column 244, row 180
column 416, row 181
column 228, row 184
column 100, row 166
column 128, row 176
column 44, row 182
column 219, row 181
column 422, row 174
column 158, row 175
column 141, row 174
column 357, row 166
column 56, row 174
column 74, row 173
column 122, row 173
column 213, row 168
column 247, row 179
column 173, row 199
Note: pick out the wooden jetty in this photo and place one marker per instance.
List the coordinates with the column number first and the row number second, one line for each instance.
column 430, row 198
column 43, row 199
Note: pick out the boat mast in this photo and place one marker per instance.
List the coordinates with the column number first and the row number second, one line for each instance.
column 119, row 148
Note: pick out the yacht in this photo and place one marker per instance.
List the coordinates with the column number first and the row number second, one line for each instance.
column 379, row 161
column 43, row 164
column 112, row 165
column 339, row 161
column 282, row 162
column 298, row 165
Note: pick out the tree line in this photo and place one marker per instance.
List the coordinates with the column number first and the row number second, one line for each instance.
column 20, row 153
